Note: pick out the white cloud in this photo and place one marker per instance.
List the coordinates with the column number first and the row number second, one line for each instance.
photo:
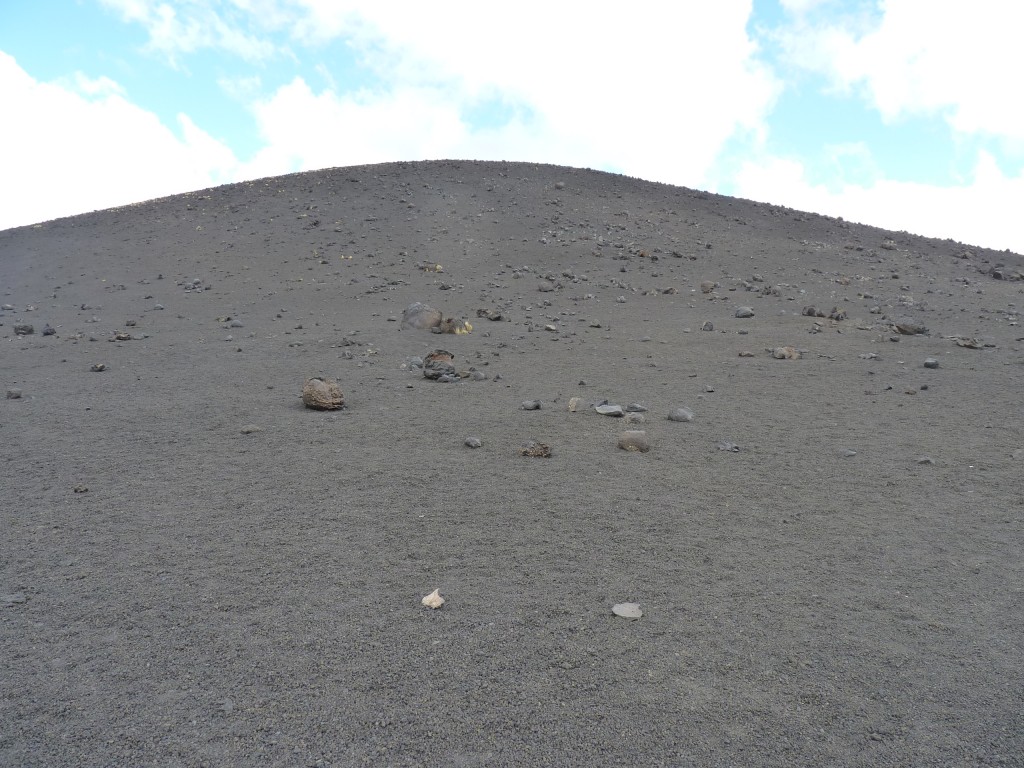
column 921, row 57
column 985, row 211
column 654, row 92
column 79, row 145
column 192, row 25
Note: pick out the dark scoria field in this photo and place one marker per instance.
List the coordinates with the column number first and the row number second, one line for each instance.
column 196, row 569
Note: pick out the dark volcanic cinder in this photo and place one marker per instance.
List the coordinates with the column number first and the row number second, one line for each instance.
column 242, row 582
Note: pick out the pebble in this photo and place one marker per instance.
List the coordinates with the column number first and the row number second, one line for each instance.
column 707, row 286
column 681, row 414
column 636, row 408
column 634, row 440
column 13, row 394
column 926, row 460
column 531, row 405
column 627, row 610
column 98, row 367
column 23, row 329
column 849, row 453
column 49, row 330
column 725, row 445
column 635, row 418
column 707, row 325
column 473, row 442
column 744, row 312
column 7, row 307
column 248, row 429
column 573, row 404
column 931, row 362
column 606, row 409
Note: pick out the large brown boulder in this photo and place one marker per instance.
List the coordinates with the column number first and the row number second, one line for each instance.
column 322, row 394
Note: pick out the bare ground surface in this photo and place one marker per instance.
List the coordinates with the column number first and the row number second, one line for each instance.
column 214, row 597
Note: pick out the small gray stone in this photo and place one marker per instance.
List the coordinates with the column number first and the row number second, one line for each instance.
column 707, row 326
column 926, row 460
column 249, row 429
column 931, row 362
column 23, row 329
column 473, row 442
column 13, row 394
column 607, row 409
column 531, row 405
column 635, row 418
column 849, row 453
column 725, row 445
column 636, row 408
column 744, row 312
column 681, row 414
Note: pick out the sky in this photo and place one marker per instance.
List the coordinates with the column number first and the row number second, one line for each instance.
column 904, row 114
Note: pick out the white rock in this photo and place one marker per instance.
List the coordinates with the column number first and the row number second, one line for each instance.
column 627, row 610
column 434, row 599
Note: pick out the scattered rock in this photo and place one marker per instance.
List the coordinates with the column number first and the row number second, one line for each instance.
column 931, row 362
column 322, row 394
column 13, row 394
column 744, row 312
column 725, row 445
column 80, row 488
column 746, row 353
column 433, row 600
column 535, row 450
column 531, row 405
column 473, row 442
column 707, row 286
column 438, row 364
column 23, row 329
column 635, row 418
column 453, row 325
column 421, row 316
column 681, row 414
column 969, row 343
column 98, row 367
column 627, row 610
column 909, row 327
column 785, row 353
column 636, row 408
column 812, row 312
column 490, row 314
column 928, row 460
column 707, row 325
column 573, row 404
column 608, row 409
column 634, row 440
column 849, row 453
column 249, row 429
column 49, row 330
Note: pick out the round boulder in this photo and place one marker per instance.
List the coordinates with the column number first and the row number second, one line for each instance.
column 322, row 394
